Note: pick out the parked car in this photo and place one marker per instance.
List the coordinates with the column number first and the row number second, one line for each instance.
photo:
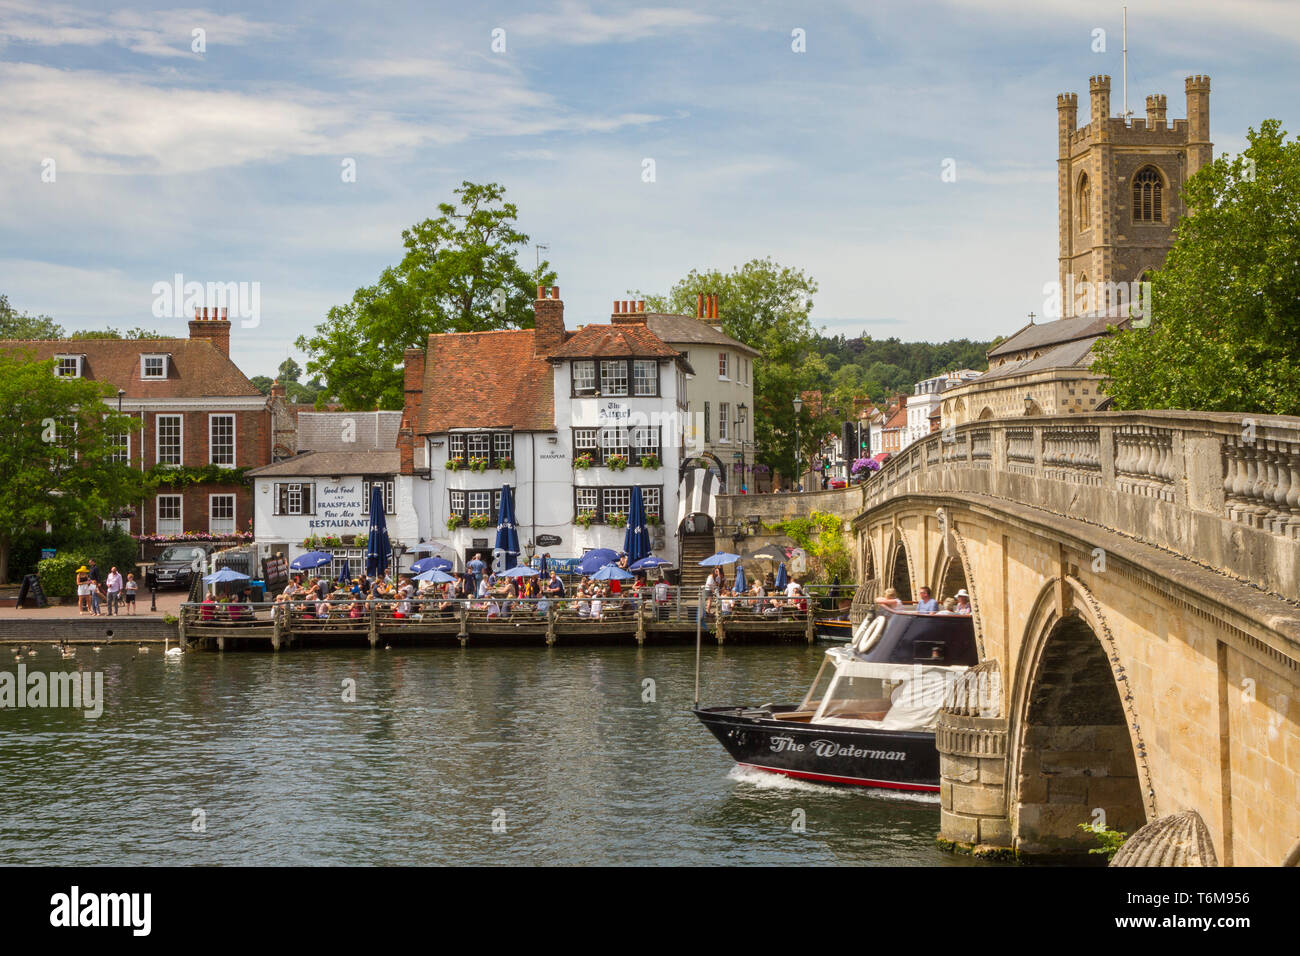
column 177, row 566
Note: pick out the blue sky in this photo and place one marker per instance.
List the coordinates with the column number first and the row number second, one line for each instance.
column 225, row 166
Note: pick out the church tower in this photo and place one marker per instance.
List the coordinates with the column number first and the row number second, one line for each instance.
column 1119, row 187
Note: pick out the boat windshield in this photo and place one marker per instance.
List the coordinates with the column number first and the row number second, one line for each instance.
column 859, row 698
column 813, row 699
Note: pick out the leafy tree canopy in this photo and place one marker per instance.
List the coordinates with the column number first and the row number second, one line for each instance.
column 1224, row 331
column 20, row 325
column 461, row 273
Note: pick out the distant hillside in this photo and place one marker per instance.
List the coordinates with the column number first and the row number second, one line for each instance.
column 882, row 367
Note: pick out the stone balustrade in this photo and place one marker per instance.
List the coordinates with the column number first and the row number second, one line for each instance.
column 1220, row 489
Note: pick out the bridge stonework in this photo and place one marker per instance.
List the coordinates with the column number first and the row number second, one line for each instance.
column 1135, row 580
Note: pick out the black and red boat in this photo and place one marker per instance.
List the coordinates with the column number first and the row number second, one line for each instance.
column 868, row 719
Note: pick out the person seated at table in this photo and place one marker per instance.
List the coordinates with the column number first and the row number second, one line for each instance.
column 726, row 602
column 208, row 609
column 796, row 597
column 758, row 598
column 597, row 603
column 356, row 609
column 404, row 592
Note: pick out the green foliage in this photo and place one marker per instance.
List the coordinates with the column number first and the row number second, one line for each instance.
column 289, row 371
column 112, row 333
column 1110, row 840
column 1224, row 330
column 766, row 306
column 181, row 477
column 880, row 368
column 479, row 521
column 110, row 549
column 56, row 464
column 262, row 383
column 20, row 325
column 460, row 274
column 822, row 535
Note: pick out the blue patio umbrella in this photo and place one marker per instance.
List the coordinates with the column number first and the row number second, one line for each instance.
column 345, row 574
column 636, row 540
column 739, row 584
column 425, row 547
column 435, row 575
column 781, row 581
column 430, row 564
column 311, row 560
column 224, row 576
column 722, row 557
column 612, row 572
column 377, row 547
column 597, row 558
column 507, row 536
column 520, row 571
column 648, row 562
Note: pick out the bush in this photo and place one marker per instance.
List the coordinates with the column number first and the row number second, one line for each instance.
column 109, row 548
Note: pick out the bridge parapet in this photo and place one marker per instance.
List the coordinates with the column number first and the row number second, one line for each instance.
column 1220, row 489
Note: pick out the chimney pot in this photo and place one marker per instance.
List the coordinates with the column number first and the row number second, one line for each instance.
column 555, row 292
column 699, row 305
column 541, row 292
column 640, row 305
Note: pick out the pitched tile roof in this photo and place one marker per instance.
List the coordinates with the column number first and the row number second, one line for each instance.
column 614, row 341
column 1056, row 332
column 688, row 330
column 197, row 368
column 898, row 419
column 316, row 463
column 485, row 380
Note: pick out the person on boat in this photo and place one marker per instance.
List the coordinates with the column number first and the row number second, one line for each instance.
column 949, row 606
column 889, row 599
column 927, row 604
column 963, row 602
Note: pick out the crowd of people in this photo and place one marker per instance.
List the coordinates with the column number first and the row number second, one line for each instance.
column 926, row 604
column 762, row 597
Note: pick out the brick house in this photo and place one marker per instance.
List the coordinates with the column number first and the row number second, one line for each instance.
column 198, row 409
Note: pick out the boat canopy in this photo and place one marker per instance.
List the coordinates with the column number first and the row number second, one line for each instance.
column 884, row 696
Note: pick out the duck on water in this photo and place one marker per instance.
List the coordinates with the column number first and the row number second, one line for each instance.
column 869, row 718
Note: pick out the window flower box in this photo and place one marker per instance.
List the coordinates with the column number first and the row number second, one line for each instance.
column 585, row 519
column 617, row 462
column 583, row 461
column 478, row 464
column 650, row 461
column 653, row 521
column 506, row 464
column 480, row 521
column 616, row 520
column 456, row 464
column 454, row 522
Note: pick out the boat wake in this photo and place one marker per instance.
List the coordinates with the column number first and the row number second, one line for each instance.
column 767, row 780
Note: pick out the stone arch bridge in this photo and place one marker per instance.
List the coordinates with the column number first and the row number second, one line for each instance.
column 1135, row 578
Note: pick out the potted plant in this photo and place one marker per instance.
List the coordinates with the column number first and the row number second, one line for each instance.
column 583, row 461
column 454, row 522
column 585, row 519
column 616, row 519
column 456, row 463
column 617, row 462
column 479, row 521
column 649, row 461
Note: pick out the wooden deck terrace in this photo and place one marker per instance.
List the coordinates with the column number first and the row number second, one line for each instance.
column 521, row 621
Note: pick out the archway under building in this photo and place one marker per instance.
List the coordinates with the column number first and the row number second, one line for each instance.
column 1075, row 758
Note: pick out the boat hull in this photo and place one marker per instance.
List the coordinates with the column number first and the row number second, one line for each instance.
column 834, row 629
column 893, row 760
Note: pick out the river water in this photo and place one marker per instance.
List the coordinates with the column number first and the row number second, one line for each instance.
column 446, row 756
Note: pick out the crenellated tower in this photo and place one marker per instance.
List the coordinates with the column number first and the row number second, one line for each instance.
column 1119, row 185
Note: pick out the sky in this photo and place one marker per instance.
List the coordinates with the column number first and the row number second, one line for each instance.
column 140, row 142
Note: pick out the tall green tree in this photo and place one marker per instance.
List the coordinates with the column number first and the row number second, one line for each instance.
column 20, row 325
column 289, row 371
column 766, row 306
column 461, row 273
column 1224, row 332
column 56, row 463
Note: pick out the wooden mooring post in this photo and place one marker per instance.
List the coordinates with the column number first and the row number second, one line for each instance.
column 463, row 636
column 551, row 614
column 374, row 625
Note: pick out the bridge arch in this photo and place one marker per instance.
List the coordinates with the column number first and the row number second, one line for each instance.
column 952, row 573
column 900, row 574
column 1077, row 747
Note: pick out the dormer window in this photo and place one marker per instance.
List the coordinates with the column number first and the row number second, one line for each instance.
column 153, row 366
column 67, row 366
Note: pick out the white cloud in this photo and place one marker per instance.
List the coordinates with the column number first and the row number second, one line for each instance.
column 162, row 33
column 576, row 23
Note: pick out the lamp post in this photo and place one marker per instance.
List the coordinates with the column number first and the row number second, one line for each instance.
column 798, row 407
column 742, row 411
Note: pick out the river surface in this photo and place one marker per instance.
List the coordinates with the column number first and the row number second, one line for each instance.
column 446, row 756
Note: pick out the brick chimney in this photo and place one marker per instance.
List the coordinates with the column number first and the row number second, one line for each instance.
column 548, row 321
column 277, row 389
column 706, row 308
column 212, row 325
column 628, row 312
column 413, row 360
